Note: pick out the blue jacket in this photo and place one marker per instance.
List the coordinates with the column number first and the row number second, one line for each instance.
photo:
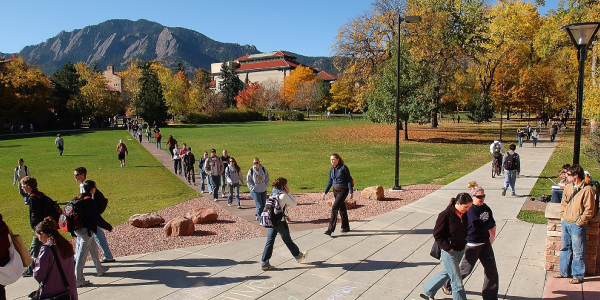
column 338, row 177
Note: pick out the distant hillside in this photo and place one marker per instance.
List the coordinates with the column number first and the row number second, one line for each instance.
column 5, row 55
column 118, row 41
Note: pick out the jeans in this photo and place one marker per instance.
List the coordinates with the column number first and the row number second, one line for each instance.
column 157, row 144
column 284, row 231
column 233, row 188
column 485, row 254
column 34, row 250
column 557, row 195
column 191, row 175
column 572, row 250
column 171, row 150
column 260, row 199
column 202, row 179
column 451, row 271
column 177, row 166
column 339, row 205
column 60, row 150
column 223, row 185
column 85, row 245
column 510, row 177
column 148, row 138
column 22, row 193
column 534, row 141
column 520, row 141
column 214, row 181
column 100, row 239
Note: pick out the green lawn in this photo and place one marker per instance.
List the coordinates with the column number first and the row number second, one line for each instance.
column 142, row 186
column 299, row 152
column 563, row 153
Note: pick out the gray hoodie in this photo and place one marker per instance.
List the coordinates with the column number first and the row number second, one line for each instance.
column 258, row 180
column 233, row 176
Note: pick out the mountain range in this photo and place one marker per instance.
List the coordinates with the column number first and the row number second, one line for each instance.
column 119, row 41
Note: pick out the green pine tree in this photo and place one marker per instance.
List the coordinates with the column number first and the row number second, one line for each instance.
column 67, row 86
column 481, row 109
column 153, row 104
column 231, row 85
column 95, row 67
column 179, row 66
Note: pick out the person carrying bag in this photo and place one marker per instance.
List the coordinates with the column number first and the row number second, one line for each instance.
column 11, row 264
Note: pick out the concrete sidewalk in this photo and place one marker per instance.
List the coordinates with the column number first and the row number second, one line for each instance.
column 386, row 257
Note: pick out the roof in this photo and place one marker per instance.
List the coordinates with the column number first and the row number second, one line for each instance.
column 327, row 76
column 265, row 55
column 273, row 64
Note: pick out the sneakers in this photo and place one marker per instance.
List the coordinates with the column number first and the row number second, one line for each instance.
column 215, row 199
column 345, row 230
column 107, row 260
column 228, row 204
column 503, row 191
column 426, row 297
column 301, row 256
column 267, row 266
column 328, row 233
column 446, row 290
column 101, row 273
column 239, row 207
column 512, row 194
column 83, row 283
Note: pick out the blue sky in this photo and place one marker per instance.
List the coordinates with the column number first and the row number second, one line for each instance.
column 305, row 27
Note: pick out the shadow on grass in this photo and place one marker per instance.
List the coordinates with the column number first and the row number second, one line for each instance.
column 148, row 166
column 450, row 141
column 80, row 155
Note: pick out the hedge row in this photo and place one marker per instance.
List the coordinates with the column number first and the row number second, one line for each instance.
column 242, row 115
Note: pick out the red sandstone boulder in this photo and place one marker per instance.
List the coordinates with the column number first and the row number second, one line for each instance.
column 202, row 215
column 179, row 226
column 350, row 204
column 373, row 193
column 145, row 220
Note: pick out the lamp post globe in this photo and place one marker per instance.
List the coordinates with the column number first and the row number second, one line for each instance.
column 581, row 35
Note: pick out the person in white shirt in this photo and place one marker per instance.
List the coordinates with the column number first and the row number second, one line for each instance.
column 213, row 166
column 20, row 172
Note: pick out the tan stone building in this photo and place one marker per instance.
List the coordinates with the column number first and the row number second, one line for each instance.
column 114, row 81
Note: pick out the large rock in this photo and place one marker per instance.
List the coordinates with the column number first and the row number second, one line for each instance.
column 202, row 215
column 350, row 204
column 373, row 193
column 179, row 226
column 145, row 220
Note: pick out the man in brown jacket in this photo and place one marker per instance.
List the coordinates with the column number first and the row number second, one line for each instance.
column 576, row 210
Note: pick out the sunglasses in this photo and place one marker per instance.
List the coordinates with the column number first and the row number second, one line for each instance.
column 232, row 161
column 569, row 174
column 255, row 163
column 77, row 175
column 480, row 196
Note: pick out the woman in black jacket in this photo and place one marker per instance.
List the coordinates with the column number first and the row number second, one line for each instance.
column 339, row 178
column 85, row 243
column 450, row 232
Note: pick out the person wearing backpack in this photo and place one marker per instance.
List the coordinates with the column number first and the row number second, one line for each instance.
column 21, row 170
column 190, row 161
column 157, row 137
column 281, row 194
column 512, row 169
column 257, row 180
column 340, row 179
column 497, row 150
column 91, row 221
column 60, row 144
column 121, row 151
column 176, row 160
column 234, row 178
column 49, row 271
column 37, row 213
column 577, row 208
column 81, row 177
column 203, row 175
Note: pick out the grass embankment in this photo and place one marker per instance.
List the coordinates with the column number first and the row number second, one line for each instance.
column 144, row 185
column 563, row 153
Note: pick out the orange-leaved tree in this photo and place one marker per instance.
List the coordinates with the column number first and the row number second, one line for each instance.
column 249, row 97
column 293, row 84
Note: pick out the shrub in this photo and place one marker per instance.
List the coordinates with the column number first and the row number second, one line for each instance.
column 225, row 116
column 197, row 118
column 283, row 115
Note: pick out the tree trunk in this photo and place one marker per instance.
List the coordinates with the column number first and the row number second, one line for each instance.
column 405, row 130
column 434, row 121
column 594, row 66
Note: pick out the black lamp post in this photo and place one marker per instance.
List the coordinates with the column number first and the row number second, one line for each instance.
column 407, row 19
column 581, row 35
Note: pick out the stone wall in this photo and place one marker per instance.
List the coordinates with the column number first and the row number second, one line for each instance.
column 553, row 241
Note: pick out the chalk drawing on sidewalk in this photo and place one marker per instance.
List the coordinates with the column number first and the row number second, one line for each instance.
column 340, row 292
column 248, row 290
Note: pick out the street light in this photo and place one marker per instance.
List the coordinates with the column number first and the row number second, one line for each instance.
column 407, row 19
column 581, row 35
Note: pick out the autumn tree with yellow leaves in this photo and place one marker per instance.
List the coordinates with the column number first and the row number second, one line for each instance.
column 94, row 100
column 292, row 92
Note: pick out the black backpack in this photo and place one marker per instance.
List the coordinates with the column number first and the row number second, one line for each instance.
column 101, row 201
column 510, row 163
column 72, row 217
column 273, row 213
column 51, row 207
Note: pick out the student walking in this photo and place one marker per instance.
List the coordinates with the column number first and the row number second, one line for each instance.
column 450, row 233
column 202, row 172
column 520, row 136
column 234, row 178
column 182, row 152
column 340, row 179
column 214, row 168
column 190, row 161
column 121, row 152
column 148, row 132
column 176, row 160
column 55, row 263
column 91, row 221
column 81, row 177
column 21, row 170
column 225, row 159
column 157, row 137
column 535, row 136
column 171, row 143
column 257, row 180
column 512, row 169
column 60, row 144
column 481, row 235
column 139, row 134
column 281, row 193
